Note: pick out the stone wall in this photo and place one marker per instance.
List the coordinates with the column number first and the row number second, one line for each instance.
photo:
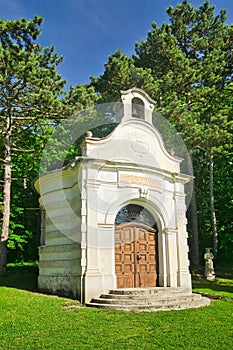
column 60, row 250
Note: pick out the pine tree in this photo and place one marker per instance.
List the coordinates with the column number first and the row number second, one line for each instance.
column 192, row 59
column 121, row 74
column 30, row 90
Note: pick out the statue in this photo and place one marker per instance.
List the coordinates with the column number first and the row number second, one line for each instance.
column 209, row 266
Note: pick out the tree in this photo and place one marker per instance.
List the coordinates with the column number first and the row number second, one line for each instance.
column 121, row 73
column 30, row 91
column 192, row 59
column 224, row 204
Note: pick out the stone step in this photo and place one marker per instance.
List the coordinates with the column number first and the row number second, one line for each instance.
column 159, row 296
column 149, row 299
column 151, row 291
column 155, row 307
column 145, row 301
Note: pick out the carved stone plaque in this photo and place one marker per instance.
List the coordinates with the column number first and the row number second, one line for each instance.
column 139, row 144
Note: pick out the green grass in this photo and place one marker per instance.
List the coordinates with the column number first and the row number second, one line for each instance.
column 30, row 320
column 221, row 286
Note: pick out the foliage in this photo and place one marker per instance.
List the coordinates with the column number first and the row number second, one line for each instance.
column 121, row 73
column 191, row 58
column 29, row 79
column 79, row 98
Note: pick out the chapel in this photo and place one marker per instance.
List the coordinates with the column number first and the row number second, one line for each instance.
column 115, row 219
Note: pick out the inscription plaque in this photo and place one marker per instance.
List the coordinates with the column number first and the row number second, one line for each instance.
column 140, row 180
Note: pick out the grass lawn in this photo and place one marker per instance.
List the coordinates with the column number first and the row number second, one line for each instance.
column 30, row 320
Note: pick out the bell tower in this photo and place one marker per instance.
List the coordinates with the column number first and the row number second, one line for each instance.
column 137, row 104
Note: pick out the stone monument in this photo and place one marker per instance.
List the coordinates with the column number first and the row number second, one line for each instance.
column 209, row 266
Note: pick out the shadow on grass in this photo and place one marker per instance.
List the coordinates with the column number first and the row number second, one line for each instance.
column 221, row 285
column 21, row 276
column 218, row 285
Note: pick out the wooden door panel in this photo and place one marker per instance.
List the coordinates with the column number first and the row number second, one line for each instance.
column 124, row 258
column 135, row 256
column 146, row 261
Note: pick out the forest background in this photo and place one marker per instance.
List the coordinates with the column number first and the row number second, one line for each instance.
column 185, row 65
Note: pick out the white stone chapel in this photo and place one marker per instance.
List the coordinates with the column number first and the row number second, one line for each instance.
column 117, row 217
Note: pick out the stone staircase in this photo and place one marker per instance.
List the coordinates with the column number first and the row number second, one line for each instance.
column 149, row 299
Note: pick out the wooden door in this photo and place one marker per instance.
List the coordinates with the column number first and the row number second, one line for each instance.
column 135, row 255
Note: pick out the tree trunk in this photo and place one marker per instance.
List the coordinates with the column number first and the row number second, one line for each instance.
column 194, row 229
column 3, row 257
column 6, row 198
column 212, row 208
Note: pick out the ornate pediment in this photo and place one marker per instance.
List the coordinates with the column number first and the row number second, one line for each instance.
column 135, row 140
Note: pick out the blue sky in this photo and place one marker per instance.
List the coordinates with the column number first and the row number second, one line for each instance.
column 86, row 32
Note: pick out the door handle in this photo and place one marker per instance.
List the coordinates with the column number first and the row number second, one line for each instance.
column 138, row 257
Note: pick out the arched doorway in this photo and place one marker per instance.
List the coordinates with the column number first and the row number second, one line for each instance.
column 136, row 262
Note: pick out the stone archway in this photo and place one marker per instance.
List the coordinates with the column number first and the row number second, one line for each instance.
column 136, row 253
